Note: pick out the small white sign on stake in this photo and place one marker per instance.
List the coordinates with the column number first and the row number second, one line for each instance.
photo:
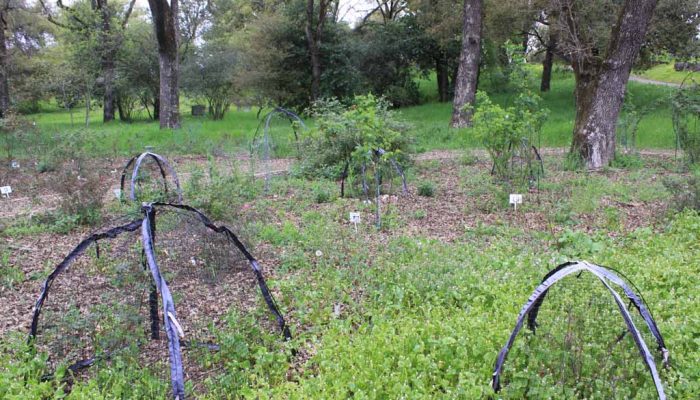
column 355, row 219
column 516, row 199
column 14, row 164
column 118, row 194
column 5, row 191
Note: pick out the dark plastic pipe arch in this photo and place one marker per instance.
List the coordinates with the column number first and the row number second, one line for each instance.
column 160, row 161
column 607, row 277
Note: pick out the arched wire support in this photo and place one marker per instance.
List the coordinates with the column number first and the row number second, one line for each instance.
column 267, row 295
column 60, row 268
column 294, row 120
column 404, row 187
column 607, row 277
column 162, row 163
column 534, row 173
column 173, row 330
column 72, row 256
column 376, row 154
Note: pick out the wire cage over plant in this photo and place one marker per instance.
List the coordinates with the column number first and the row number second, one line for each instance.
column 152, row 290
column 266, row 146
column 685, row 105
column 593, row 339
column 144, row 182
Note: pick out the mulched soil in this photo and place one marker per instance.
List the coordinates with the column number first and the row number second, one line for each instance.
column 456, row 208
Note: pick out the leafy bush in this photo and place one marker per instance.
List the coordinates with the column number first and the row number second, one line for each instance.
column 509, row 133
column 685, row 191
column 13, row 132
column 628, row 122
column 627, row 161
column 426, row 189
column 685, row 105
column 321, row 194
column 222, row 195
column 468, row 158
column 349, row 137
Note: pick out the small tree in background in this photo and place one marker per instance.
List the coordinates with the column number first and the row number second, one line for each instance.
column 510, row 133
column 685, row 105
column 346, row 137
column 210, row 75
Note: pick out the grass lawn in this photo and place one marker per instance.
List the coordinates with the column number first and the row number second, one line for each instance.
column 666, row 73
column 430, row 120
column 430, row 125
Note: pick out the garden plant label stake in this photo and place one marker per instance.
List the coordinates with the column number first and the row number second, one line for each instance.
column 516, row 199
column 6, row 190
column 355, row 219
column 14, row 164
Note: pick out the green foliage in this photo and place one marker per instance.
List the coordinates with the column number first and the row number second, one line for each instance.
column 508, row 133
column 630, row 117
column 426, row 189
column 627, row 161
column 351, row 135
column 14, row 134
column 220, row 194
column 208, row 74
column 321, row 193
column 686, row 114
column 685, row 191
column 22, row 369
column 468, row 158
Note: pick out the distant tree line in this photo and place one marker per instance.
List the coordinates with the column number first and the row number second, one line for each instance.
column 135, row 63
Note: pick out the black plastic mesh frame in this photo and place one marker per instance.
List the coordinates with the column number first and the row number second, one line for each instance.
column 137, row 273
column 138, row 176
column 598, row 307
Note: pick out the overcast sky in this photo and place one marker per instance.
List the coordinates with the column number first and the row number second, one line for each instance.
column 350, row 10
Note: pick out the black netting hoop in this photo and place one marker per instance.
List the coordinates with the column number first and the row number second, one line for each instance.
column 170, row 323
column 531, row 309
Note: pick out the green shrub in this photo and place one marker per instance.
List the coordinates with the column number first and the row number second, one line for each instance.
column 349, row 136
column 508, row 133
column 321, row 194
column 627, row 161
column 685, row 104
column 468, row 158
column 426, row 189
column 685, row 192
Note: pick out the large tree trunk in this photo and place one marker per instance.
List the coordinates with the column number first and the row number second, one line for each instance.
column 547, row 66
column 443, row 78
column 110, row 92
column 313, row 31
column 165, row 23
column 107, row 62
column 4, row 81
column 600, row 86
column 468, row 70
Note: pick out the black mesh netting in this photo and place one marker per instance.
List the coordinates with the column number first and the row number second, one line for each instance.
column 155, row 296
column 150, row 176
column 582, row 346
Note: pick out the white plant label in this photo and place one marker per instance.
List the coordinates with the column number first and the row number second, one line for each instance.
column 516, row 199
column 14, row 164
column 118, row 194
column 5, row 191
column 355, row 219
